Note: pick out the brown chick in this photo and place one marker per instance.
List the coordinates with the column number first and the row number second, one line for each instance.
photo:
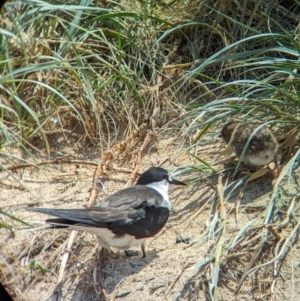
column 262, row 147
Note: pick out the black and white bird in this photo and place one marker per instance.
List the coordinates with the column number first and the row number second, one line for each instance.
column 126, row 218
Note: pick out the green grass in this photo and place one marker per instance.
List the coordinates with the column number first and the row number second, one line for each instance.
column 254, row 78
column 84, row 59
column 7, row 224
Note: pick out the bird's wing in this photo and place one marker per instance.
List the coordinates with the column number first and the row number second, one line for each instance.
column 141, row 222
column 125, row 207
column 133, row 197
column 135, row 211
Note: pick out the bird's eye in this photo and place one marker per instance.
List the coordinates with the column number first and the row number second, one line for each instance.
column 267, row 157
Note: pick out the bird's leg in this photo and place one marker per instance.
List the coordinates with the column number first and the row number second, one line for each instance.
column 131, row 253
column 97, row 275
column 143, row 250
column 101, row 253
column 110, row 251
column 104, row 252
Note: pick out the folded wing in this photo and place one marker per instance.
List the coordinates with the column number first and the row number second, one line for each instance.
column 134, row 211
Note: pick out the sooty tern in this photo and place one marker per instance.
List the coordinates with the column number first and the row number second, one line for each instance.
column 262, row 147
column 126, row 218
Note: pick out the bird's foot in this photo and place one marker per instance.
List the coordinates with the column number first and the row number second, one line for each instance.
column 131, row 253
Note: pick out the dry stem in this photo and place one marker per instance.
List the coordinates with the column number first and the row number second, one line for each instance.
column 287, row 244
column 138, row 159
column 221, row 243
column 61, row 160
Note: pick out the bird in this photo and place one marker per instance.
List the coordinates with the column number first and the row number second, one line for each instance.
column 262, row 145
column 126, row 218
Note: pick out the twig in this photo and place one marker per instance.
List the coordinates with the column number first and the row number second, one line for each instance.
column 174, row 282
column 120, row 169
column 66, row 255
column 280, row 255
column 288, row 214
column 56, row 295
column 94, row 190
column 138, row 159
column 277, row 264
column 107, row 157
column 251, row 240
column 97, row 271
column 253, row 259
column 54, row 162
column 10, row 186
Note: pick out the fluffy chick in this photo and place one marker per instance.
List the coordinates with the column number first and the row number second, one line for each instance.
column 262, row 146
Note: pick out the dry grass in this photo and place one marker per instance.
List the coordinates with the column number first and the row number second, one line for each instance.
column 250, row 249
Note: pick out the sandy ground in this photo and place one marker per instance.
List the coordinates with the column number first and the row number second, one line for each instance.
column 163, row 274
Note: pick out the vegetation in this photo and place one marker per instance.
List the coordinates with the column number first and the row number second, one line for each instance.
column 100, row 69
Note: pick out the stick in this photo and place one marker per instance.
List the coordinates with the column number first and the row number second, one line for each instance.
column 107, row 157
column 56, row 295
column 57, row 161
column 138, row 159
column 282, row 253
column 66, row 255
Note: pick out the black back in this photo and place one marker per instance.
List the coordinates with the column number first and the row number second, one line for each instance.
column 152, row 222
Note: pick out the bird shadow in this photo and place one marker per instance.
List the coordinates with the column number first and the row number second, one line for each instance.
column 103, row 278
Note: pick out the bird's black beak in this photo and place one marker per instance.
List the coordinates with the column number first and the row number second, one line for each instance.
column 175, row 182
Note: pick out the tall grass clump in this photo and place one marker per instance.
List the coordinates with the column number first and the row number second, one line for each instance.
column 251, row 74
column 86, row 68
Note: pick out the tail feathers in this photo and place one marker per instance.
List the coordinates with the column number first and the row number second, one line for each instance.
column 67, row 217
column 59, row 223
column 64, row 223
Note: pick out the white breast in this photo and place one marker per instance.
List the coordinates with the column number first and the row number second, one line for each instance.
column 261, row 158
column 107, row 238
column 162, row 188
